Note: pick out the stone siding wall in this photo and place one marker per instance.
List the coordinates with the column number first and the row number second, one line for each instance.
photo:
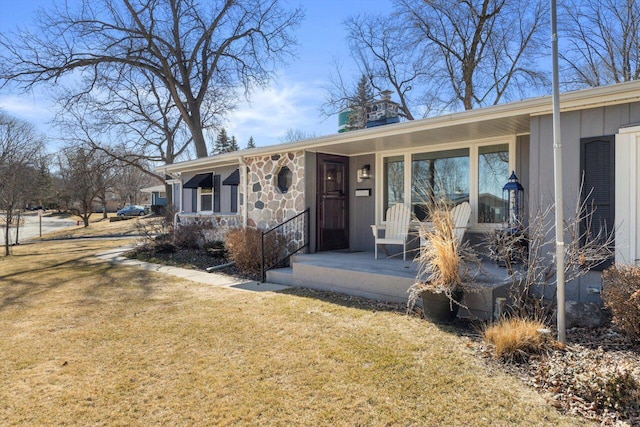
column 267, row 204
column 214, row 227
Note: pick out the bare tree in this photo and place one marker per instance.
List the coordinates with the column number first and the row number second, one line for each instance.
column 128, row 182
column 20, row 152
column 84, row 175
column 194, row 50
column 379, row 46
column 293, row 135
column 602, row 41
column 442, row 54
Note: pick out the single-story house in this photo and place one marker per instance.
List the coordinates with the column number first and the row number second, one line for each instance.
column 158, row 197
column 348, row 180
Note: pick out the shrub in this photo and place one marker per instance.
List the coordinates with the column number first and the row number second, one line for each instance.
column 244, row 246
column 515, row 339
column 188, row 236
column 621, row 295
column 618, row 391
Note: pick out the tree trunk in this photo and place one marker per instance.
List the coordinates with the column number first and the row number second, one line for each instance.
column 17, row 227
column 198, row 142
column 6, row 236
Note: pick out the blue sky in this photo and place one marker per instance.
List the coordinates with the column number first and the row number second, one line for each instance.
column 292, row 101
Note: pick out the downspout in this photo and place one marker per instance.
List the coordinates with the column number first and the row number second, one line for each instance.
column 175, row 216
column 245, row 185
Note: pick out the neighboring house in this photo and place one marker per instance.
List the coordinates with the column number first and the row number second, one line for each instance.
column 158, row 194
column 470, row 154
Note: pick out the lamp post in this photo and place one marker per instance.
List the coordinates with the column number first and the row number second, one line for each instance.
column 513, row 196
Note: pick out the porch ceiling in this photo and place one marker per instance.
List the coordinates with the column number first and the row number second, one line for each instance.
column 402, row 139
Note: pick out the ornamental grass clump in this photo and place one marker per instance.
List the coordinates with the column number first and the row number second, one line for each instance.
column 444, row 263
column 514, row 339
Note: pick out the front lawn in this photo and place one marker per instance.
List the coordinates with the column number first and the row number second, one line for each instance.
column 88, row 343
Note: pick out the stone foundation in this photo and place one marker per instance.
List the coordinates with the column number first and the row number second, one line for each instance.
column 214, row 227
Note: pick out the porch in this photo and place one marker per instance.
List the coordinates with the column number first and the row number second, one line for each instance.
column 385, row 279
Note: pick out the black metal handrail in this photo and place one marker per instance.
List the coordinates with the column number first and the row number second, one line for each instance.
column 284, row 240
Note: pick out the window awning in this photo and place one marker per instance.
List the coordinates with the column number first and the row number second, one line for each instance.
column 201, row 180
column 233, row 179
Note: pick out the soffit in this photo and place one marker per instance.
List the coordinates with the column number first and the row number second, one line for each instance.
column 437, row 135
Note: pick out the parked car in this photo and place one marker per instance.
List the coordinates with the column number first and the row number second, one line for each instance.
column 132, row 210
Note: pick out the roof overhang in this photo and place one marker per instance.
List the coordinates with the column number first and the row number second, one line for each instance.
column 491, row 122
column 154, row 189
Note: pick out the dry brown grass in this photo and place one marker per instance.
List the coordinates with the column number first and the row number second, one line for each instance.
column 88, row 343
column 440, row 258
column 99, row 227
column 516, row 338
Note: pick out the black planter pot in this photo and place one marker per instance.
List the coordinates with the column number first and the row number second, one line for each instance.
column 438, row 308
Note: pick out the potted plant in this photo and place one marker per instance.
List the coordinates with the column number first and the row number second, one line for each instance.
column 444, row 267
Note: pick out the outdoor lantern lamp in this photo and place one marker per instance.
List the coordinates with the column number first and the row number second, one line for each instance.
column 364, row 173
column 513, row 196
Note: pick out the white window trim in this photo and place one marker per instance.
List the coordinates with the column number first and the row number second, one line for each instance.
column 473, row 173
column 200, row 193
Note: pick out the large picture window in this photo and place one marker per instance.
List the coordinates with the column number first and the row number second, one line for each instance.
column 493, row 167
column 437, row 175
column 475, row 174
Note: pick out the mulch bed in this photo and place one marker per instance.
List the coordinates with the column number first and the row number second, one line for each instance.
column 574, row 378
column 196, row 259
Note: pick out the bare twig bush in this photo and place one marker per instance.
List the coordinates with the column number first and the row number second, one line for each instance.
column 189, row 236
column 152, row 229
column 532, row 271
column 245, row 248
column 621, row 295
column 514, row 339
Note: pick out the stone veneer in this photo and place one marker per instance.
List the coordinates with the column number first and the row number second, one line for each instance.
column 214, row 227
column 267, row 205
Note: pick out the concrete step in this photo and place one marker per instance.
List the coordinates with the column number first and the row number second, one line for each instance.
column 281, row 276
column 383, row 280
column 375, row 285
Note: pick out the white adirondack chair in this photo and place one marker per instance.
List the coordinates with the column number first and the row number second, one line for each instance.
column 395, row 229
column 460, row 216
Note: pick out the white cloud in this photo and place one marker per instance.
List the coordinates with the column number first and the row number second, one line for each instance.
column 272, row 111
column 29, row 108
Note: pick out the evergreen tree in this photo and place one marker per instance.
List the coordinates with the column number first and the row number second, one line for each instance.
column 358, row 104
column 222, row 142
column 251, row 144
column 233, row 144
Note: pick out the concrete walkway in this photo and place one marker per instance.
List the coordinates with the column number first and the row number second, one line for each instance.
column 115, row 256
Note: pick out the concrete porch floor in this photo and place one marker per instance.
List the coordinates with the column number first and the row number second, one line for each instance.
column 385, row 279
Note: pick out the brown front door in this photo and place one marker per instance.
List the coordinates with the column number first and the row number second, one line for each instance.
column 333, row 202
